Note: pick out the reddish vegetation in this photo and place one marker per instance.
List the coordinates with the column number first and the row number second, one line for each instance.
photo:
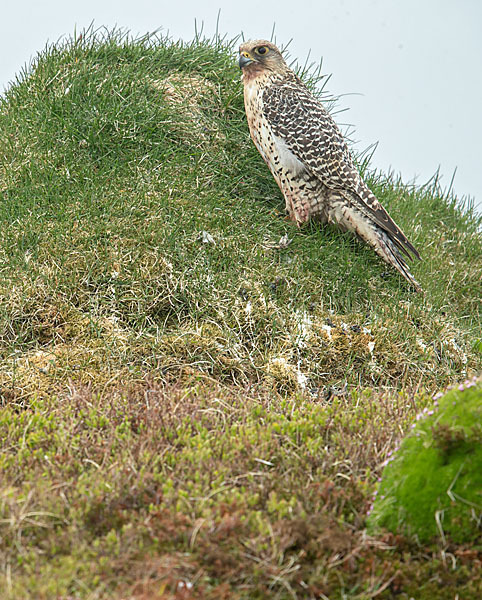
column 199, row 491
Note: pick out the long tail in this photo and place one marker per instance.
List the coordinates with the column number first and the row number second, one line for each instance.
column 385, row 248
column 388, row 242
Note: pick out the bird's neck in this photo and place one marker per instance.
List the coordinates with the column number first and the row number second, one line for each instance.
column 257, row 73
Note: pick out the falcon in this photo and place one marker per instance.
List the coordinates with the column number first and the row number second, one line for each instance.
column 309, row 157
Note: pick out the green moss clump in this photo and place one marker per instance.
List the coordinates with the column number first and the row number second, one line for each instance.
column 433, row 485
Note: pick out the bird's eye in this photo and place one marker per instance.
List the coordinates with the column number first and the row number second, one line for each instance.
column 262, row 50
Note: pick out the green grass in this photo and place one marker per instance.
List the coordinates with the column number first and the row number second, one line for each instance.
column 433, row 487
column 183, row 400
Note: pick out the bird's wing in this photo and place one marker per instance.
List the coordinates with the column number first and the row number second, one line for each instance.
column 310, row 133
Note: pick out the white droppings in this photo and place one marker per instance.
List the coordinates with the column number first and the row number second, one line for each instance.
column 206, row 238
column 304, row 326
column 327, row 329
column 421, row 344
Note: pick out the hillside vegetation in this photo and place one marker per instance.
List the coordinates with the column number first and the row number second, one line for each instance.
column 197, row 397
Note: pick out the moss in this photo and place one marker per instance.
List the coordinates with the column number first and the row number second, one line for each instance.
column 433, row 484
column 185, row 481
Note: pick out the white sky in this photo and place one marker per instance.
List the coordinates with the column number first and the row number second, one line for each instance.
column 410, row 69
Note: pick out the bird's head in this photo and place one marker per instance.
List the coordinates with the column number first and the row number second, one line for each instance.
column 258, row 55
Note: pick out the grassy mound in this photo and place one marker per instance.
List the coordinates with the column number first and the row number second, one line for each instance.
column 434, row 485
column 196, row 396
column 141, row 230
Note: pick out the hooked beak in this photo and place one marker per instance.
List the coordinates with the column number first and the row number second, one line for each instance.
column 244, row 60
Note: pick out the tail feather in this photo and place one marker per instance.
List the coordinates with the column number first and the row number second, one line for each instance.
column 388, row 246
column 386, row 249
column 366, row 201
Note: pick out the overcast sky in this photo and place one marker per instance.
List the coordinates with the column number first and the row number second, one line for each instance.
column 409, row 71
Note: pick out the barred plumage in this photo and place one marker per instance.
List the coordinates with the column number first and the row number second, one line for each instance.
column 309, row 158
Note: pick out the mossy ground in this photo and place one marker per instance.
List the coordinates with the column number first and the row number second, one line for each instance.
column 433, row 487
column 191, row 408
column 149, row 491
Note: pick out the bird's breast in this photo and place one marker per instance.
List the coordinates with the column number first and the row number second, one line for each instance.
column 272, row 148
column 287, row 159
